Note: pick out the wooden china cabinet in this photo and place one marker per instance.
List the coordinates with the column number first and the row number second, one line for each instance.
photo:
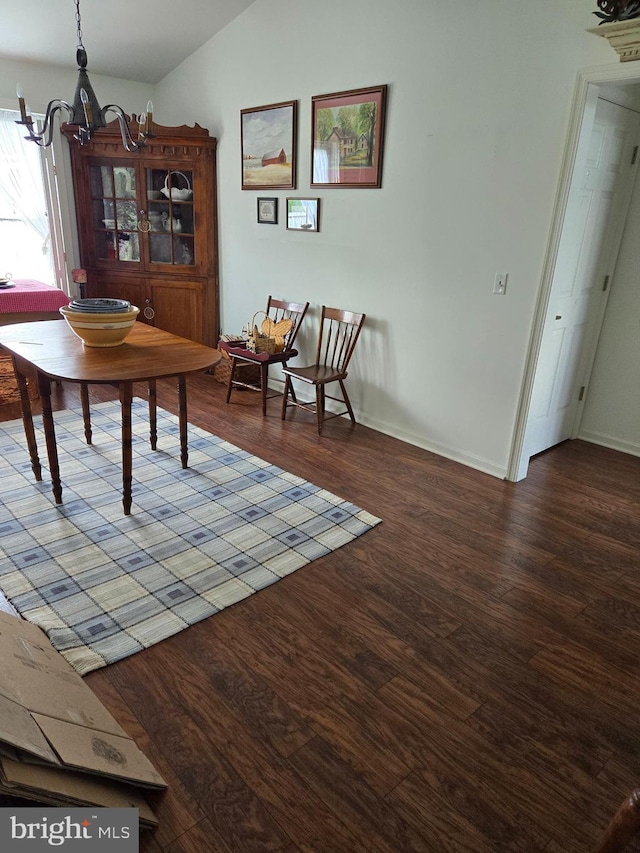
column 147, row 225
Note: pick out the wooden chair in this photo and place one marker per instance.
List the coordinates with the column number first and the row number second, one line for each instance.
column 339, row 332
column 623, row 827
column 277, row 310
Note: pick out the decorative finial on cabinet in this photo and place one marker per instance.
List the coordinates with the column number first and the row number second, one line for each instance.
column 617, row 10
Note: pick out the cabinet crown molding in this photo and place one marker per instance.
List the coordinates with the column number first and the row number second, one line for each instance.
column 182, row 136
column 623, row 36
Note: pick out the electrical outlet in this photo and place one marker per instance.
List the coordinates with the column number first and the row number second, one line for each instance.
column 500, row 283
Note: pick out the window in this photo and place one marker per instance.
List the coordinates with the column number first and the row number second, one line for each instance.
column 30, row 238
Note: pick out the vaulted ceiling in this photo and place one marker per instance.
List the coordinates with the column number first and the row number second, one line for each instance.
column 135, row 39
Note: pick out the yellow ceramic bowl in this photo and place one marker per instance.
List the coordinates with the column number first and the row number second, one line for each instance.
column 97, row 329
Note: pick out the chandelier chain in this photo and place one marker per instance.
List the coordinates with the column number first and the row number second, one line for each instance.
column 78, row 22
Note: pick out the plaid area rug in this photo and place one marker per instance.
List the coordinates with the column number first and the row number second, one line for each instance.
column 104, row 585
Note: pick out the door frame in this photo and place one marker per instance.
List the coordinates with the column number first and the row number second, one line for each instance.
column 585, row 94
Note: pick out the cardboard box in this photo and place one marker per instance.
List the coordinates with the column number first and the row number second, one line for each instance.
column 58, row 743
column 59, row 787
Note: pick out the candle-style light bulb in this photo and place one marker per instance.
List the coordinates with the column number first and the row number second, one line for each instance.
column 87, row 107
column 148, row 118
column 21, row 104
column 142, row 126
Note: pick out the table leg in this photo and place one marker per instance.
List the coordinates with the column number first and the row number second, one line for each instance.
column 264, row 383
column 126, row 396
column 182, row 417
column 86, row 413
column 153, row 414
column 44, row 387
column 27, row 421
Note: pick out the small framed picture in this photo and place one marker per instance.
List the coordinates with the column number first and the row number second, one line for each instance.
column 347, row 138
column 303, row 214
column 268, row 143
column 268, row 211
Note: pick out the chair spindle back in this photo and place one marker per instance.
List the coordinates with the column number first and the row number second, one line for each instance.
column 278, row 310
column 339, row 331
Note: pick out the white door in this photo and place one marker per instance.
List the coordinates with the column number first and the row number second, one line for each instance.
column 596, row 210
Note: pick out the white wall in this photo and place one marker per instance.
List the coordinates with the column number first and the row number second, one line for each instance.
column 612, row 411
column 479, row 97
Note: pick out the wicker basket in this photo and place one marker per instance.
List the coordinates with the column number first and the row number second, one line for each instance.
column 257, row 340
column 249, row 373
column 8, row 386
column 270, row 338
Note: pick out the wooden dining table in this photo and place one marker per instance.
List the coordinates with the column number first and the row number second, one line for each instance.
column 55, row 353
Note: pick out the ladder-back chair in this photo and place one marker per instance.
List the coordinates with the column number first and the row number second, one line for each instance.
column 339, row 332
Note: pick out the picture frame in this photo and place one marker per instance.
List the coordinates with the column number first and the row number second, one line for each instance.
column 347, row 138
column 268, row 211
column 268, row 146
column 303, row 214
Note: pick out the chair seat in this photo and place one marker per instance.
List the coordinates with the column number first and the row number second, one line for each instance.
column 257, row 357
column 315, row 374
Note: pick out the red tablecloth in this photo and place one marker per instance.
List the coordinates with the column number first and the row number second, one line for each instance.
column 31, row 296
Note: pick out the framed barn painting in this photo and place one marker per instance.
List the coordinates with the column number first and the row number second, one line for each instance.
column 347, row 135
column 268, row 142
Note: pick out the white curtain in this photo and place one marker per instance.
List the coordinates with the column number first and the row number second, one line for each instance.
column 21, row 177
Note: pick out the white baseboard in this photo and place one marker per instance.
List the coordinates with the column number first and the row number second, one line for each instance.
column 632, row 448
column 471, row 461
column 476, row 462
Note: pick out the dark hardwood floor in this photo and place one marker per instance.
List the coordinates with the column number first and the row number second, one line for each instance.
column 464, row 677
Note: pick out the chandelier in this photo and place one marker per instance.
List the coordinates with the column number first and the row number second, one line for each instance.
column 85, row 113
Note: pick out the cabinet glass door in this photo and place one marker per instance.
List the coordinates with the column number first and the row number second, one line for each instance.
column 171, row 216
column 114, row 213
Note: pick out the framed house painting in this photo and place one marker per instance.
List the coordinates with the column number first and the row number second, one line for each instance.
column 347, row 135
column 268, row 143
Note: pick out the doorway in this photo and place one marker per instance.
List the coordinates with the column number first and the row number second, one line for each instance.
column 603, row 82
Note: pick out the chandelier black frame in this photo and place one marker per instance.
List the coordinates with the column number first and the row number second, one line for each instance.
column 85, row 113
